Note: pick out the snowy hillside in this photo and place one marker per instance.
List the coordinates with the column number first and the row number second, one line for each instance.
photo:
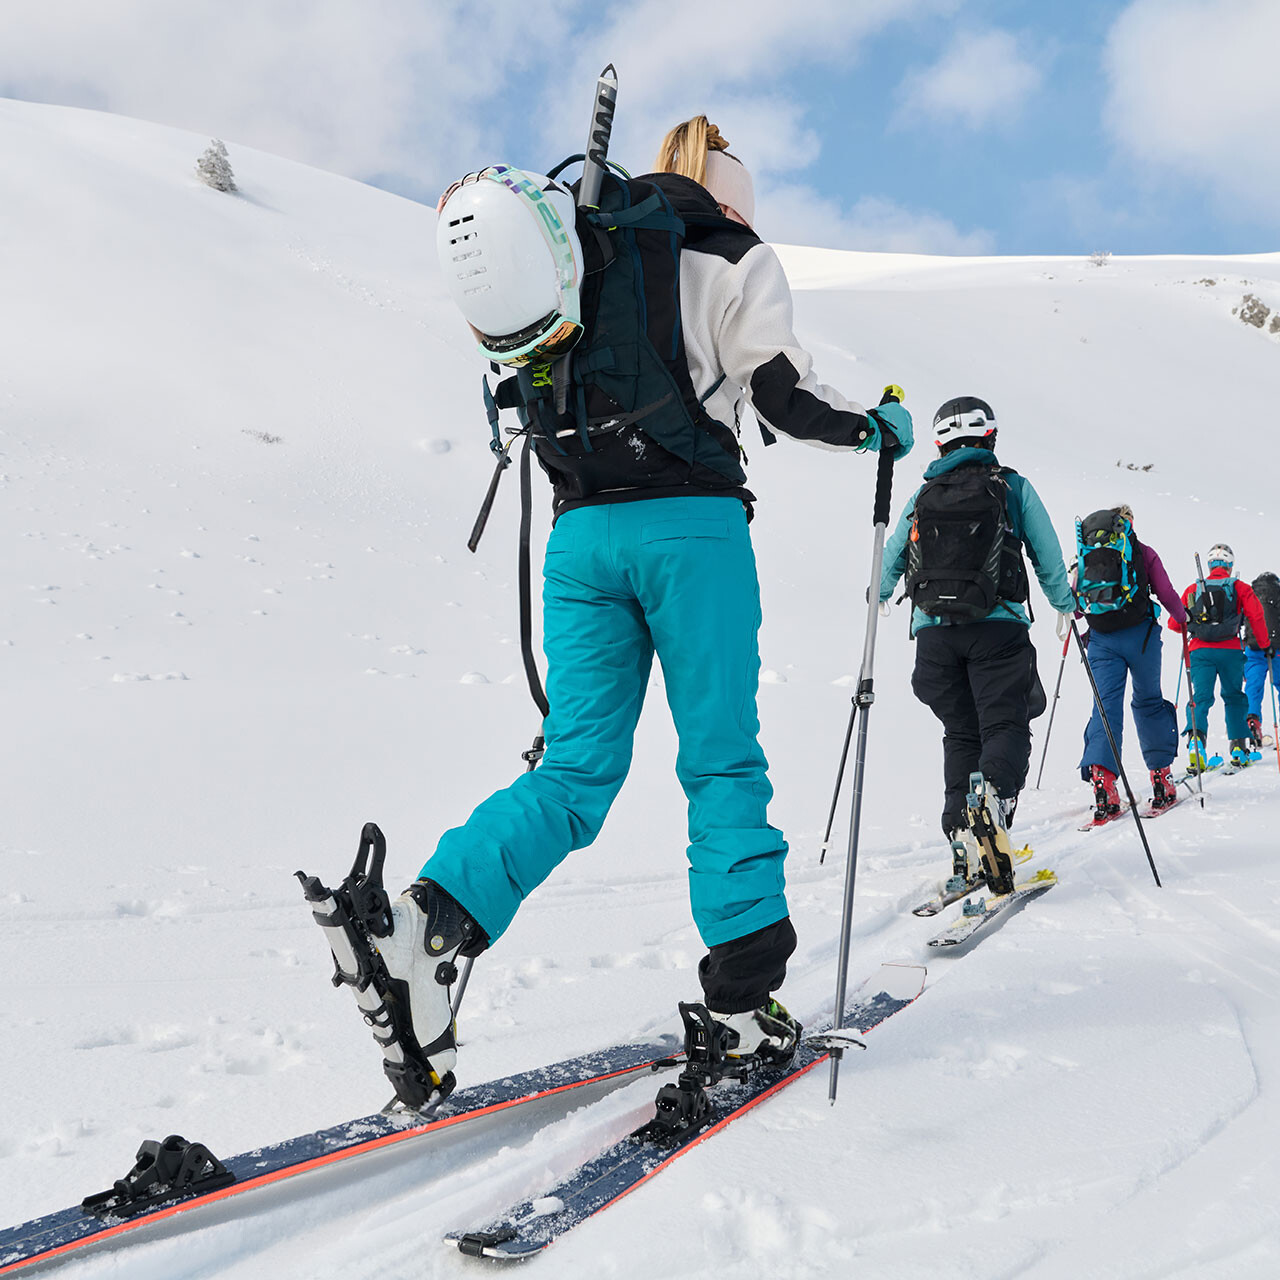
column 241, row 447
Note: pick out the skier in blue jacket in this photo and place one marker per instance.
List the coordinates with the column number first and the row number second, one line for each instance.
column 976, row 670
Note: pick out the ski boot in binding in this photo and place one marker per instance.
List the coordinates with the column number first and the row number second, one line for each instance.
column 1163, row 789
column 1240, row 753
column 966, row 861
column 399, row 959
column 1255, row 732
column 988, row 818
column 719, row 1047
column 768, row 1033
column 1106, row 796
column 1196, row 761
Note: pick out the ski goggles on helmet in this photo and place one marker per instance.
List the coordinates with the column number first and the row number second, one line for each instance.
column 1221, row 555
column 966, row 417
column 554, row 334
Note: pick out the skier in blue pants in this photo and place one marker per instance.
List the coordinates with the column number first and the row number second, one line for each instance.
column 1259, row 660
column 1120, row 579
column 649, row 554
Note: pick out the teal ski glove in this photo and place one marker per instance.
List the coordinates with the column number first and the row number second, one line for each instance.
column 894, row 418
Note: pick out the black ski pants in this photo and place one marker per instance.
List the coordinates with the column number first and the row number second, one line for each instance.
column 980, row 680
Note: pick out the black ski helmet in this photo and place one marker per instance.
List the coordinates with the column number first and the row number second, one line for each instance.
column 964, row 418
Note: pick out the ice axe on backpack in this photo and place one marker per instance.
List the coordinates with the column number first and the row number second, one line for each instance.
column 861, row 702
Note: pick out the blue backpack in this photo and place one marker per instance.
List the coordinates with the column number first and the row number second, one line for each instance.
column 1112, row 589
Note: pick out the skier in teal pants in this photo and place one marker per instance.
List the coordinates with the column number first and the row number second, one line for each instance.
column 638, row 334
column 623, row 580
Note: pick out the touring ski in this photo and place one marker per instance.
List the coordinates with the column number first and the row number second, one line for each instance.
column 979, row 914
column 1111, row 817
column 174, row 1176
column 958, row 887
column 686, row 1116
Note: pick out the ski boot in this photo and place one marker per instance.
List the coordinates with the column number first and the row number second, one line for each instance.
column 1163, row 790
column 1255, row 733
column 768, row 1033
column 399, row 958
column 988, row 821
column 1106, row 798
column 1196, row 762
column 1240, row 752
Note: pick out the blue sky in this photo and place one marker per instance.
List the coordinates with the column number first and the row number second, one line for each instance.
column 965, row 126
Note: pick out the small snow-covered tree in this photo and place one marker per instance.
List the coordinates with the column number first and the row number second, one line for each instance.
column 214, row 167
column 1100, row 257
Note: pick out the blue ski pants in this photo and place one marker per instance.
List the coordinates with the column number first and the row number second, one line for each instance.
column 1132, row 653
column 623, row 581
column 1255, row 678
column 1224, row 667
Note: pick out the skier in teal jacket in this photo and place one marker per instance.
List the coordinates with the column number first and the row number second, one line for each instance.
column 978, row 674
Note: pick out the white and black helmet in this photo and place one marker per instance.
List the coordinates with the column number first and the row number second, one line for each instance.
column 964, row 418
column 1221, row 554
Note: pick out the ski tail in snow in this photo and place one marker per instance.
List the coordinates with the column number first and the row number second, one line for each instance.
column 103, row 1220
column 980, row 914
column 528, row 1228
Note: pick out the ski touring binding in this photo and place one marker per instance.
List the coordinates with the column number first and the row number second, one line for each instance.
column 168, row 1170
column 684, row 1107
column 352, row 916
column 997, row 863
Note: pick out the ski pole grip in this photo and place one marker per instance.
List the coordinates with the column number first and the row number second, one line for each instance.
column 884, row 478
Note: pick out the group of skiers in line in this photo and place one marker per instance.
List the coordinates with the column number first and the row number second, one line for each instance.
column 637, row 327
column 975, row 668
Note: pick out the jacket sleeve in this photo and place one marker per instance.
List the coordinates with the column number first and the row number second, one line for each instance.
column 1044, row 549
column 1160, row 584
column 758, row 350
column 895, row 552
column 1252, row 608
column 1179, row 624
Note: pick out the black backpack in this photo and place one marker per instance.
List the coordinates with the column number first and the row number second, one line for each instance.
column 1214, row 613
column 963, row 557
column 1112, row 589
column 620, row 411
column 1266, row 586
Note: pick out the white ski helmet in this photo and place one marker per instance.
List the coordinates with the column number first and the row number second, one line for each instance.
column 513, row 263
column 1221, row 554
column 965, row 418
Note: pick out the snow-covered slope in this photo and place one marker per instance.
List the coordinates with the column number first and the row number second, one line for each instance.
column 241, row 446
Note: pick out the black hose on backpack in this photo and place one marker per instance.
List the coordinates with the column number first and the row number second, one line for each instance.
column 1115, row 751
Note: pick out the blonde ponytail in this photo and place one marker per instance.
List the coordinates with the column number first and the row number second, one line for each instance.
column 684, row 150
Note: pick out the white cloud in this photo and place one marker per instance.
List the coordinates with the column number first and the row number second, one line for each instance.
column 794, row 214
column 982, row 78
column 1194, row 92
column 344, row 86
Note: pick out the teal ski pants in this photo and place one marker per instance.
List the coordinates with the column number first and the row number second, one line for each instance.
column 1224, row 667
column 623, row 581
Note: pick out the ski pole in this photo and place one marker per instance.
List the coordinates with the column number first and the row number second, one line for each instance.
column 1115, row 750
column 1275, row 709
column 593, row 169
column 1191, row 705
column 862, row 701
column 1053, row 710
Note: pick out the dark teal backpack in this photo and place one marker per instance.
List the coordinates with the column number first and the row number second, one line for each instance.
column 619, row 411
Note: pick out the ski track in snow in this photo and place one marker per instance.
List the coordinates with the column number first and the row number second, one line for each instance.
column 241, row 452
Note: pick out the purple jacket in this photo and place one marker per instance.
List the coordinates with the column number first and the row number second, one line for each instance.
column 1161, row 585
